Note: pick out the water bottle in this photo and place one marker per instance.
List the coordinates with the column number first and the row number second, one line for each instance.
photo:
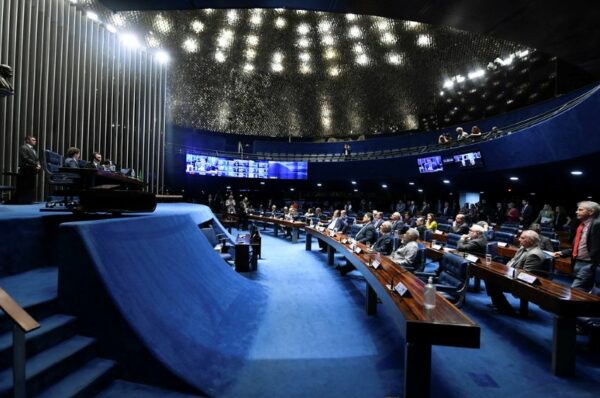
column 429, row 294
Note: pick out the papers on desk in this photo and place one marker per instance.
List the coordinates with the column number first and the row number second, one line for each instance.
column 471, row 258
column 438, row 232
column 501, row 244
column 375, row 264
column 320, row 229
column 448, row 250
column 357, row 250
column 436, row 246
column 527, row 278
column 344, row 241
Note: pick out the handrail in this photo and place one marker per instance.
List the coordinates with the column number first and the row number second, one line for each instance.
column 401, row 151
column 15, row 312
column 23, row 323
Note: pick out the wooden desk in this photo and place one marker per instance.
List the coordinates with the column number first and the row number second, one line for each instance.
column 565, row 303
column 277, row 223
column 444, row 325
column 245, row 260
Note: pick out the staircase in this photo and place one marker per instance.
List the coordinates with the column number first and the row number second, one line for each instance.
column 60, row 363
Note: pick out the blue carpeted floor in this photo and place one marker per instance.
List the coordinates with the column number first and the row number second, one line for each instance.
column 317, row 340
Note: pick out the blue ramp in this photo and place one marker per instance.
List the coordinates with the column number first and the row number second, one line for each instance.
column 170, row 289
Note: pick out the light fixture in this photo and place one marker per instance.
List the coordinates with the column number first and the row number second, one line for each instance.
column 319, row 184
column 92, row 15
column 514, row 178
column 248, row 67
column 353, row 182
column 532, row 193
column 411, row 183
column 354, row 32
column 262, row 183
column 424, row 40
column 162, row 57
column 129, row 40
column 394, row 58
column 111, row 28
column 303, row 29
column 384, row 186
column 280, row 22
column 197, row 26
column 419, row 190
column 304, row 56
column 576, row 172
column 219, row 56
column 355, row 190
column 190, row 45
column 476, row 74
column 446, row 181
column 362, row 59
column 292, row 189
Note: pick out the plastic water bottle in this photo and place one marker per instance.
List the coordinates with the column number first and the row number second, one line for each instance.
column 429, row 294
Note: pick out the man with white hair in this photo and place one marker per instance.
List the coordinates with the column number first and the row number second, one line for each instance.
column 407, row 253
column 586, row 246
column 529, row 258
column 474, row 242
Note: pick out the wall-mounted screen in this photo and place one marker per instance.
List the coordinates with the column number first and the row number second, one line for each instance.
column 468, row 160
column 430, row 164
column 243, row 168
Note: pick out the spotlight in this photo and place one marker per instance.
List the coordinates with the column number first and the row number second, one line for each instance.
column 162, row 57
column 384, row 186
column 576, row 172
column 514, row 178
column 111, row 28
column 411, row 183
column 92, row 15
column 446, row 181
column 129, row 40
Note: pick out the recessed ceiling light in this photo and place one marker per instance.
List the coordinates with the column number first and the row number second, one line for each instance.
column 384, row 186
column 262, row 183
column 355, row 190
column 514, row 178
column 292, row 189
column 576, row 172
column 353, row 182
column 420, row 190
column 319, row 184
column 411, row 183
column 446, row 181
column 93, row 16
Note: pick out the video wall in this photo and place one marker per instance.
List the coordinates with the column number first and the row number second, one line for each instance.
column 243, row 168
column 466, row 160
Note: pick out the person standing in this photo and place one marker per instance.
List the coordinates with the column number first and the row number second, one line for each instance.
column 29, row 167
column 586, row 246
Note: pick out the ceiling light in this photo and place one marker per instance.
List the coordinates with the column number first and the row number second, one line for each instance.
column 328, row 40
column 394, row 58
column 424, row 40
column 412, row 24
column 419, row 190
column 476, row 74
column 354, row 32
column 514, row 178
column 319, row 184
column 305, row 68
column 362, row 59
column 292, row 189
column 303, row 29
column 353, row 182
column 219, row 56
column 250, row 54
column 459, row 78
column 190, row 45
column 522, row 54
column 576, row 172
column 276, row 67
column 448, row 83
column 355, row 190
column 388, row 38
column 351, row 17
column 197, row 26
column 383, row 24
column 129, row 40
column 248, row 67
column 324, row 26
column 300, row 12
column 334, row 71
column 232, row 16
column 304, row 56
column 384, row 186
column 446, row 181
column 358, row 48
column 208, row 11
column 152, row 42
column 280, row 22
column 262, row 183
column 92, row 15
column 411, row 183
column 277, row 57
column 111, row 28
column 303, row 42
column 330, row 53
column 252, row 40
column 162, row 24
column 442, row 93
column 256, row 19
column 162, row 57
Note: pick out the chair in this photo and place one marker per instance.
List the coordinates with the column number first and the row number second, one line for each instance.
column 213, row 239
column 444, row 227
column 555, row 244
column 451, row 278
column 509, row 229
column 419, row 264
column 505, row 237
column 62, row 185
column 452, row 241
column 549, row 234
column 428, row 236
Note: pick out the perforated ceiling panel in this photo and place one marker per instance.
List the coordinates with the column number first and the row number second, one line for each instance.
column 298, row 73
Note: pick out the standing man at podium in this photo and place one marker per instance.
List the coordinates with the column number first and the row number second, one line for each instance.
column 29, row 167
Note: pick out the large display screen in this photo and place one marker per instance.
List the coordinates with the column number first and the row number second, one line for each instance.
column 430, row 164
column 467, row 160
column 243, row 168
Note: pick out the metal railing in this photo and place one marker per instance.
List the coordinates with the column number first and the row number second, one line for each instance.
column 23, row 323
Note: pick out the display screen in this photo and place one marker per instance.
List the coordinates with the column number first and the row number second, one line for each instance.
column 468, row 160
column 430, row 164
column 242, row 168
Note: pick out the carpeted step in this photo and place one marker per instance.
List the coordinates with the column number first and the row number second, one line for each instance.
column 84, row 382
column 53, row 330
column 52, row 364
column 35, row 291
column 121, row 388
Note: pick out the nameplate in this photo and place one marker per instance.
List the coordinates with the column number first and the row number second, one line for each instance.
column 471, row 258
column 320, row 229
column 438, row 232
column 344, row 241
column 448, row 250
column 357, row 250
column 401, row 289
column 527, row 278
column 501, row 244
column 436, row 246
column 375, row 264
column 331, row 233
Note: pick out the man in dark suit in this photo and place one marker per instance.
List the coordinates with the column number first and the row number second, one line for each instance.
column 398, row 224
column 586, row 246
column 377, row 219
column 474, row 242
column 72, row 159
column 367, row 233
column 527, row 215
column 385, row 243
column 460, row 226
column 29, row 167
column 336, row 224
column 529, row 258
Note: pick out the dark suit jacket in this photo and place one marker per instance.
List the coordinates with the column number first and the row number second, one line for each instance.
column 462, row 229
column 527, row 214
column 546, row 244
column 473, row 246
column 28, row 157
column 593, row 242
column 366, row 234
column 339, row 225
column 72, row 163
column 385, row 244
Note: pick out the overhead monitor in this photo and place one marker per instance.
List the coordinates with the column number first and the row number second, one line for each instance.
column 430, row 164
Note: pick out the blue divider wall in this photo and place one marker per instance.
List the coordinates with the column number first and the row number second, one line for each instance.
column 160, row 279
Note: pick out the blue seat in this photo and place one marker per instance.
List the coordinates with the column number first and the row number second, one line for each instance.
column 451, row 278
column 549, row 234
column 505, row 237
column 510, row 230
column 555, row 244
column 445, row 227
column 452, row 241
column 428, row 236
column 419, row 264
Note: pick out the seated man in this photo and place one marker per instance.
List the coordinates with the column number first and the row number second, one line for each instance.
column 336, row 224
column 407, row 252
column 385, row 243
column 367, row 233
column 460, row 226
column 398, row 223
column 474, row 242
column 72, row 159
column 377, row 219
column 529, row 258
column 420, row 227
column 96, row 161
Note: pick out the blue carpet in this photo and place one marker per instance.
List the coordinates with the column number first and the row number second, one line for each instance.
column 124, row 389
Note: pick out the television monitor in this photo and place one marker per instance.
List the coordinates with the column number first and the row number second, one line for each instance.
column 430, row 164
column 244, row 168
column 468, row 160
